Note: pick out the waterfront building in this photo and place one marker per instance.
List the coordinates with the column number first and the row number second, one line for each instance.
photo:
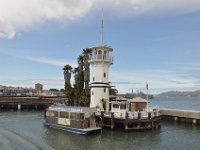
column 1, row 90
column 100, row 61
column 39, row 87
column 13, row 91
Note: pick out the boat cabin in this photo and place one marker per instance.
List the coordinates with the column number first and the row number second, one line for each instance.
column 137, row 104
column 136, row 107
column 119, row 109
column 71, row 118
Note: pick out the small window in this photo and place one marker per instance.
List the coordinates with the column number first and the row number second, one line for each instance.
column 104, row 75
column 115, row 106
column 99, row 52
column 104, row 90
column 92, row 93
column 93, row 78
column 64, row 114
column 123, row 106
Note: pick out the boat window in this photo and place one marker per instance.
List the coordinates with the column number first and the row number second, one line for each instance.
column 132, row 107
column 55, row 113
column 64, row 114
column 115, row 106
column 82, row 116
column 140, row 106
column 72, row 115
column 123, row 106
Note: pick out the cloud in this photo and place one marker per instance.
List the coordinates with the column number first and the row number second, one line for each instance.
column 158, row 80
column 50, row 61
column 16, row 15
column 41, row 59
column 157, row 7
column 21, row 15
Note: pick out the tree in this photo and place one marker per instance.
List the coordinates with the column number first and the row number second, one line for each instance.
column 113, row 91
column 67, row 76
column 86, row 56
column 80, row 68
column 84, row 101
column 78, row 86
column 54, row 90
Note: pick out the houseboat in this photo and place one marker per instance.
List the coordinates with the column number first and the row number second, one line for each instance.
column 136, row 108
column 79, row 120
column 134, row 113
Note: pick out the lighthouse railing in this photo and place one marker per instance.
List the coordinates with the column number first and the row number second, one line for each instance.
column 100, row 58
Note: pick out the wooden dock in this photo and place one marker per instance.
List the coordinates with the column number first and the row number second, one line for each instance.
column 180, row 115
column 25, row 102
column 109, row 121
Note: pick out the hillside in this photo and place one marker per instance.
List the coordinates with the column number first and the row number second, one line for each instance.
column 180, row 94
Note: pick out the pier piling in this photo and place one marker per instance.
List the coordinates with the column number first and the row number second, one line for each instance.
column 112, row 121
column 19, row 106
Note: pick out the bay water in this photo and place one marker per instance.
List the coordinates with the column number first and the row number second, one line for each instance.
column 24, row 130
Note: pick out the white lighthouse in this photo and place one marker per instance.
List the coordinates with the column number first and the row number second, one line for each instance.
column 100, row 62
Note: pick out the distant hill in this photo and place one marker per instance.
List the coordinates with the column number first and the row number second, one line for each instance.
column 133, row 95
column 180, row 94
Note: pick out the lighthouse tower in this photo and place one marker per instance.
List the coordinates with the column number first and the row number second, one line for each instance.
column 99, row 86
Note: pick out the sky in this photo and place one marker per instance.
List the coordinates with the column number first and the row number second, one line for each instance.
column 154, row 41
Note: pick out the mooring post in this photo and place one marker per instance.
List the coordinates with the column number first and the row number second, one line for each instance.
column 19, row 106
column 194, row 121
column 149, row 115
column 175, row 118
column 126, row 122
column 112, row 120
column 139, row 115
column 102, row 119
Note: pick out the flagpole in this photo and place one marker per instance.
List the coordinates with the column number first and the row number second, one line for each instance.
column 147, row 97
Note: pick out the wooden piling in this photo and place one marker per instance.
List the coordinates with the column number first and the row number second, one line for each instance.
column 126, row 122
column 112, row 121
column 102, row 119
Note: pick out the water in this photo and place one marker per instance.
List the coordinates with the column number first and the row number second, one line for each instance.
column 177, row 103
column 24, row 130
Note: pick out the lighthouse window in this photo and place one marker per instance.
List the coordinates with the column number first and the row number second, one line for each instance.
column 99, row 54
column 104, row 90
column 93, row 78
column 92, row 93
column 104, row 75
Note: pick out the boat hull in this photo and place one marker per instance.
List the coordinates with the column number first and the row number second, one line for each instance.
column 73, row 130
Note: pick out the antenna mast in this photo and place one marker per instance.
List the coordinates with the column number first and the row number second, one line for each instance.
column 102, row 27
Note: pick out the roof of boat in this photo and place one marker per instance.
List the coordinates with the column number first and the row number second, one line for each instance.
column 71, row 108
column 137, row 100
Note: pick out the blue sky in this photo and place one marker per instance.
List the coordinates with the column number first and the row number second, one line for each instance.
column 153, row 41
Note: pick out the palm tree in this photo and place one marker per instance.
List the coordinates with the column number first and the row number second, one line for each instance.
column 67, row 77
column 86, row 57
column 78, row 85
